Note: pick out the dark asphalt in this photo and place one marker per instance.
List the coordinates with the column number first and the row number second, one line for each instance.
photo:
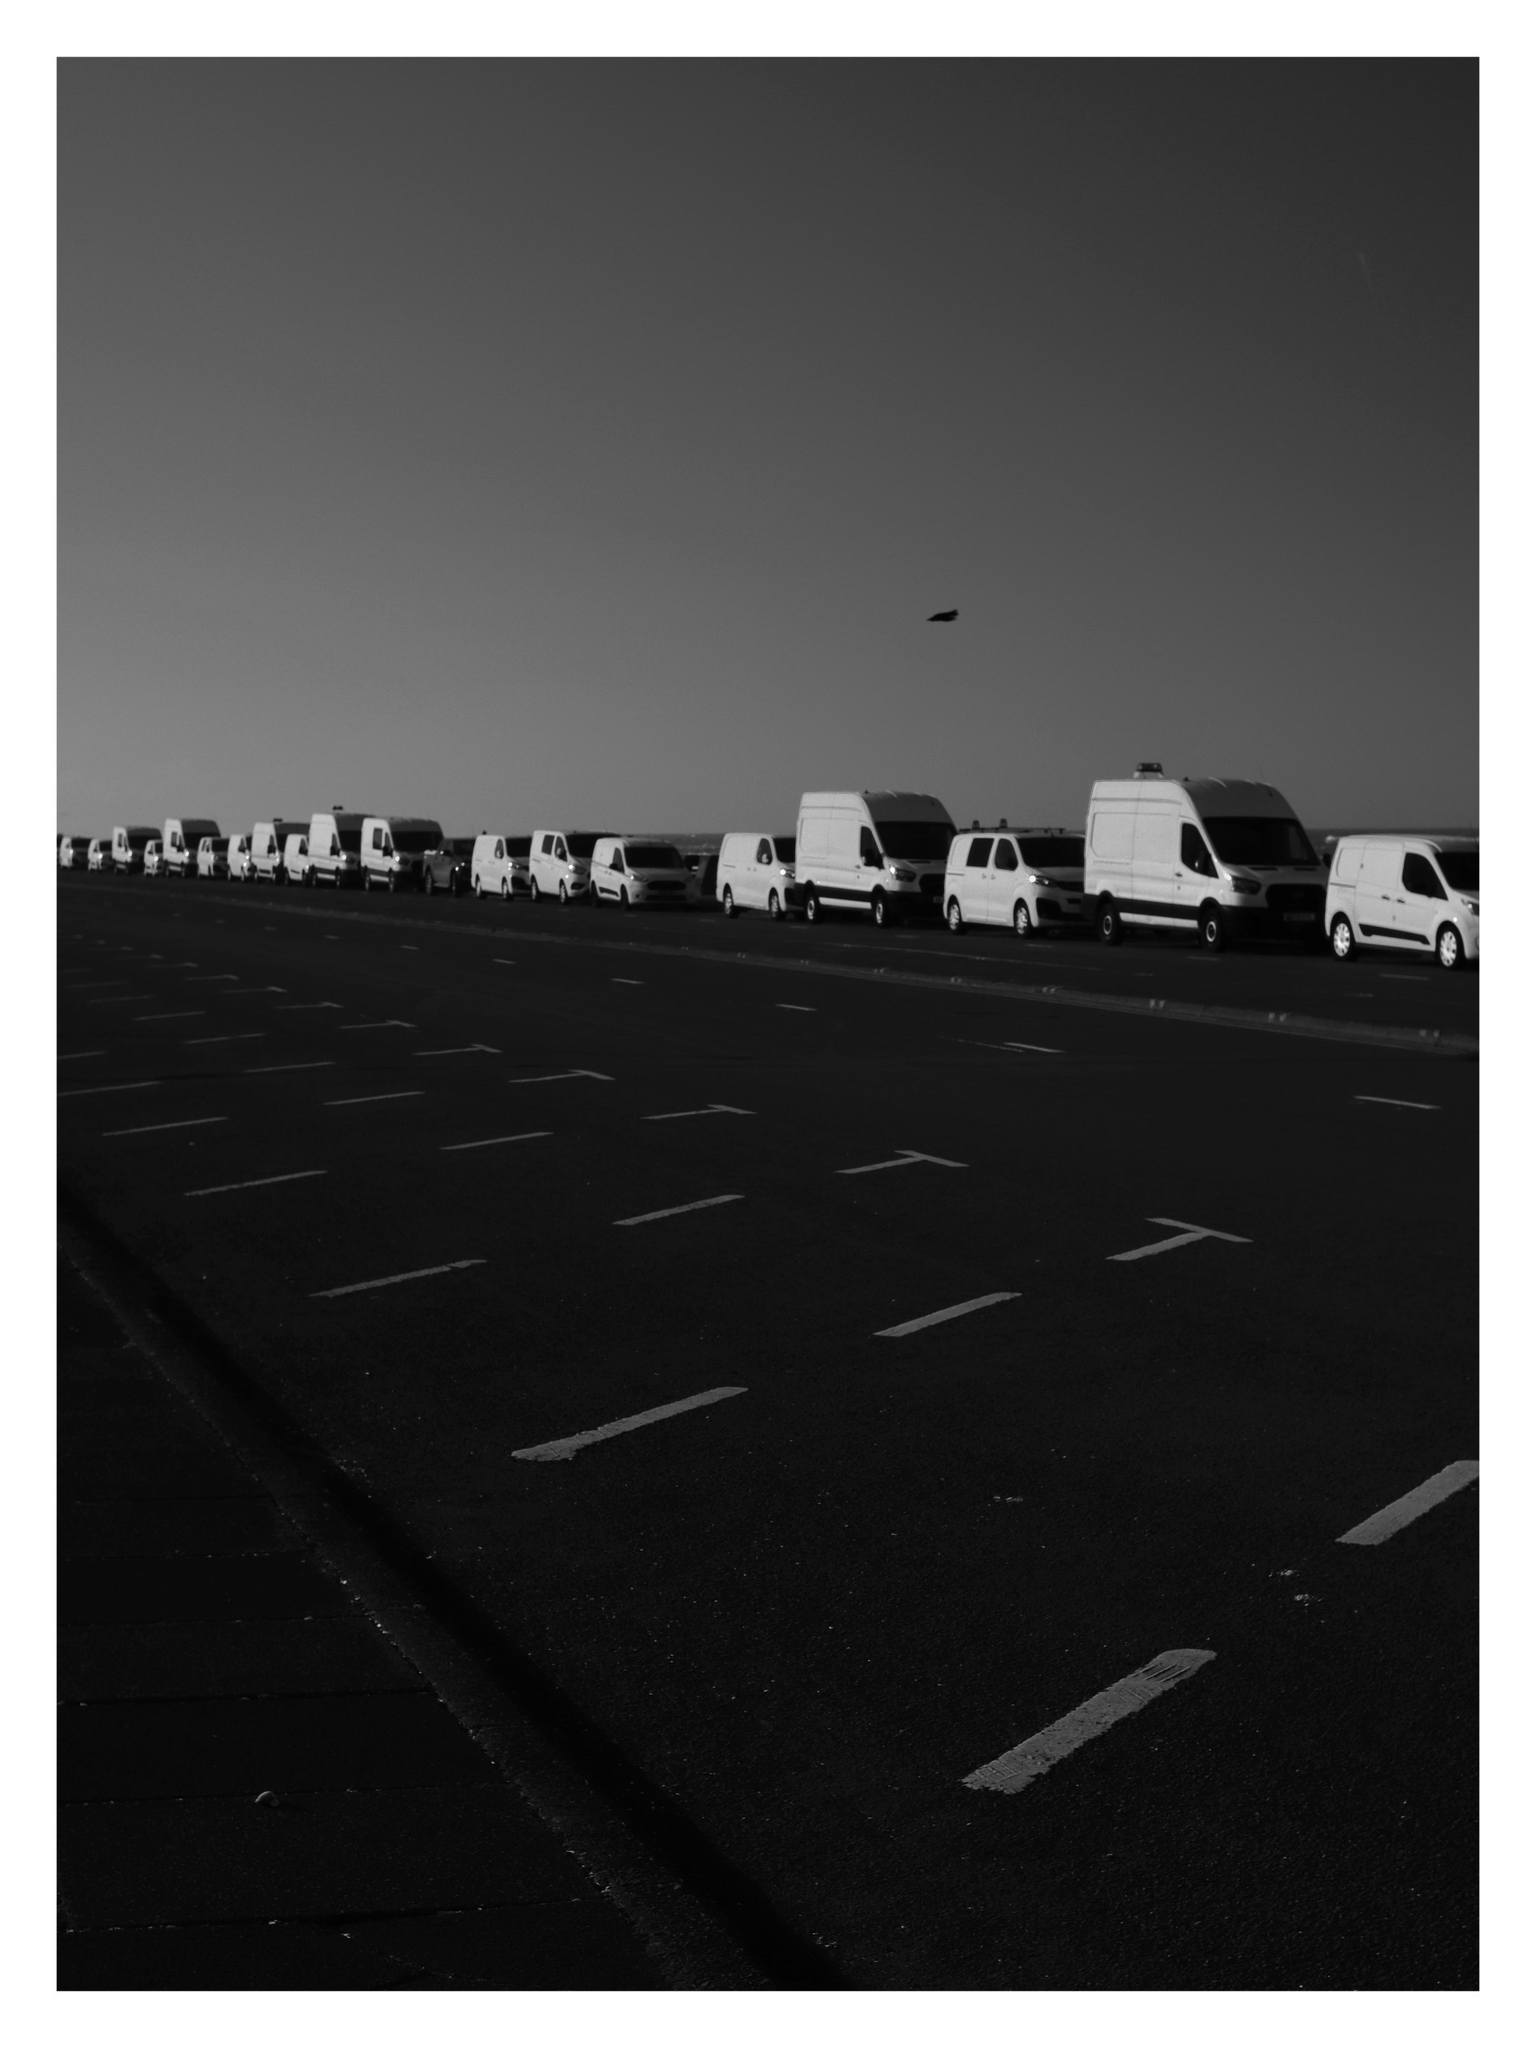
column 807, row 1611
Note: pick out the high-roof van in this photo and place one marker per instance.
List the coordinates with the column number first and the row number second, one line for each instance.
column 876, row 850
column 336, row 848
column 297, row 866
column 394, row 848
column 756, row 871
column 1406, row 895
column 560, row 865
column 1217, row 858
column 1028, row 877
column 180, row 839
column 631, row 871
column 498, row 864
column 128, row 844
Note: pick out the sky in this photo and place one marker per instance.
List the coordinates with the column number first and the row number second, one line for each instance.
column 536, row 442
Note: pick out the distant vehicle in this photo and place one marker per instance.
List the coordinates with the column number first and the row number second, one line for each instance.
column 630, row 872
column 98, row 855
column 212, row 860
column 394, row 848
column 875, row 850
column 266, row 855
column 237, row 856
column 128, row 844
column 72, row 852
column 297, row 866
column 1217, row 858
column 335, row 849
column 560, row 865
column 447, row 866
column 756, row 871
column 1406, row 895
column 154, row 857
column 1027, row 877
column 180, row 841
column 498, row 864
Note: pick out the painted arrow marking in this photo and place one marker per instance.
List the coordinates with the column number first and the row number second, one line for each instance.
column 1189, row 1233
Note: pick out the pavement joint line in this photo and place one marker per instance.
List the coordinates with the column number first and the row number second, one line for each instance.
column 270, row 989
column 224, row 1038
column 394, row 1279
column 947, row 1315
column 571, row 1074
column 1396, row 1102
column 295, row 1067
column 1189, row 1233
column 168, row 1016
column 560, row 1449
column 682, row 1209
column 1399, row 1513
column 1032, row 1758
column 905, row 1157
column 212, row 977
column 269, row 1180
column 671, row 1116
column 185, row 1124
column 109, row 1088
column 347, row 1101
column 475, row 1144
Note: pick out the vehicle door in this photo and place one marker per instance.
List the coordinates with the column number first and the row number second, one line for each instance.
column 1156, row 844
column 759, row 878
column 1193, row 872
column 1378, row 884
column 1003, row 878
column 972, row 889
column 1419, row 902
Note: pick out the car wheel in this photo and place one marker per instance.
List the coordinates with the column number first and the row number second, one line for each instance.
column 879, row 910
column 1449, row 950
column 812, row 906
column 1212, row 931
column 952, row 915
column 1110, row 929
column 728, row 903
column 1341, row 936
column 775, row 907
column 1021, row 924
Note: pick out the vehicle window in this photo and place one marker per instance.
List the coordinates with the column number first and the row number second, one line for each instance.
column 544, row 844
column 560, row 852
column 764, row 853
column 412, row 839
column 1261, row 842
column 378, row 836
column 655, row 856
column 617, row 863
column 1419, row 878
column 1458, row 864
column 980, row 853
column 1007, row 859
column 785, row 849
column 1060, row 850
column 915, row 839
column 501, row 852
column 869, row 848
column 1194, row 852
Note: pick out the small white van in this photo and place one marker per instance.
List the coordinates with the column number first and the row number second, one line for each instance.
column 336, row 848
column 560, row 865
column 180, row 839
column 880, row 850
column 266, row 848
column 154, row 856
column 634, row 871
column 1407, row 895
column 1028, row 877
column 756, row 871
column 498, row 864
column 128, row 844
column 212, row 860
column 237, row 853
column 1218, row 858
column 297, row 866
column 71, row 852
column 394, row 848
column 98, row 856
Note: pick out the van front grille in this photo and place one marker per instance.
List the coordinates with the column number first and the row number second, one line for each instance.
column 1296, row 896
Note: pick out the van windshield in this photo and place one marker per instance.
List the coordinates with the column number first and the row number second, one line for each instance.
column 415, row 841
column 785, row 849
column 1059, row 851
column 518, row 849
column 914, row 839
column 654, row 857
column 1261, row 842
column 1458, row 864
column 580, row 844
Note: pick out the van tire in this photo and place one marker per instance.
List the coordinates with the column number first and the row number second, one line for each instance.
column 1110, row 929
column 506, row 890
column 623, row 899
column 879, row 910
column 1212, row 929
column 564, row 897
column 1022, row 927
column 427, row 883
column 533, row 889
column 1449, row 950
column 812, row 905
column 775, row 907
column 952, row 915
column 728, row 902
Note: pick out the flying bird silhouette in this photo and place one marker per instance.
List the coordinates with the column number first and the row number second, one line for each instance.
column 941, row 618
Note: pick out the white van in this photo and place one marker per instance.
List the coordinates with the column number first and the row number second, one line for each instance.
column 1409, row 895
column 179, row 843
column 266, row 848
column 71, row 852
column 237, row 853
column 880, row 850
column 1028, row 876
column 335, row 848
column 393, row 850
column 756, row 871
column 498, row 865
column 212, row 860
column 560, row 865
column 632, row 871
column 154, row 856
column 297, row 866
column 1218, row 858
column 128, row 844
column 98, row 856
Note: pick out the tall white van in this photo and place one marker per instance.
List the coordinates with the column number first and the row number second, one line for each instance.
column 880, row 850
column 1406, row 895
column 297, row 866
column 1028, row 877
column 393, row 850
column 498, row 865
column 179, row 843
column 634, row 871
column 336, row 848
column 128, row 844
column 560, row 865
column 756, row 871
column 1217, row 858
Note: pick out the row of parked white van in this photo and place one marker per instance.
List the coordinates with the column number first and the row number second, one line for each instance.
column 1216, row 858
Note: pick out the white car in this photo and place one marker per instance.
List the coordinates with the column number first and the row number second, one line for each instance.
column 630, row 872
column 1028, row 878
column 98, row 855
column 1405, row 895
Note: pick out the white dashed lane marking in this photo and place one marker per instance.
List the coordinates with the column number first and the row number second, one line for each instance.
column 1031, row 1759
column 905, row 1158
column 185, row 1124
column 1388, row 1520
column 383, row 1024
column 269, row 1180
column 82, row 1055
column 444, row 1052
column 624, row 981
column 570, row 1074
column 225, row 1038
column 682, row 1209
column 212, row 977
column 309, row 1006
column 563, row 1447
column 474, row 1144
column 1189, row 1233
column 669, row 1116
column 809, row 1008
column 168, row 1016
column 346, row 1101
column 947, row 1315
column 107, row 1088
column 394, row 1279
column 1396, row 1102
column 297, row 1067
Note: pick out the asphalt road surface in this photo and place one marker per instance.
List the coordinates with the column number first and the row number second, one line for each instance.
column 990, row 1369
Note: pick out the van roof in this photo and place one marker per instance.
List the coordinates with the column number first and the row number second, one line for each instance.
column 881, row 803
column 1211, row 795
column 393, row 818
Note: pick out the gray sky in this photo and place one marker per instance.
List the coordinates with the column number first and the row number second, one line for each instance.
column 533, row 442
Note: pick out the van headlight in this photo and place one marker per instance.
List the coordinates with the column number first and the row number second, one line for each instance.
column 903, row 875
column 1468, row 904
column 1244, row 887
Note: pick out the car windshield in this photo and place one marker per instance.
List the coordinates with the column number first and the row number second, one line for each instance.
column 785, row 849
column 1261, row 842
column 413, row 839
column 914, row 839
column 581, row 844
column 654, row 857
column 1458, row 864
column 1063, row 850
column 518, row 849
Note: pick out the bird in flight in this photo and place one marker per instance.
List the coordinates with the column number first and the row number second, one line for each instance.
column 941, row 618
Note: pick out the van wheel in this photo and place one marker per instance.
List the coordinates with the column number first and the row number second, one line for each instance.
column 564, row 897
column 879, row 910
column 1449, row 950
column 623, row 899
column 533, row 891
column 479, row 888
column 392, row 883
column 427, row 883
column 952, row 915
column 1021, row 924
column 1111, row 931
column 812, row 907
column 1212, row 929
column 506, row 890
column 775, row 907
column 728, row 903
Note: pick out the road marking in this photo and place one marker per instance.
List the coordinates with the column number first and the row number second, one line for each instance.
column 682, row 1209
column 346, row 1101
column 808, row 1007
column 715, row 1109
column 1396, row 1102
column 168, row 1016
column 384, row 1024
column 1031, row 1759
column 309, row 1006
column 114, row 1088
column 211, row 977
column 114, row 981
column 905, row 1158
column 83, row 1055
column 186, row 1124
column 296, row 1067
column 1388, row 1520
column 394, row 1279
column 625, row 982
column 332, row 936
column 409, row 949
column 96, row 1002
column 231, row 1187
column 271, row 989
column 1007, row 1045
column 571, row 1074
column 495, row 962
column 444, row 1052
column 562, row 1447
column 1189, row 1233
column 1023, row 1045
column 224, row 1038
column 946, row 1315
column 1396, row 977
column 474, row 1144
